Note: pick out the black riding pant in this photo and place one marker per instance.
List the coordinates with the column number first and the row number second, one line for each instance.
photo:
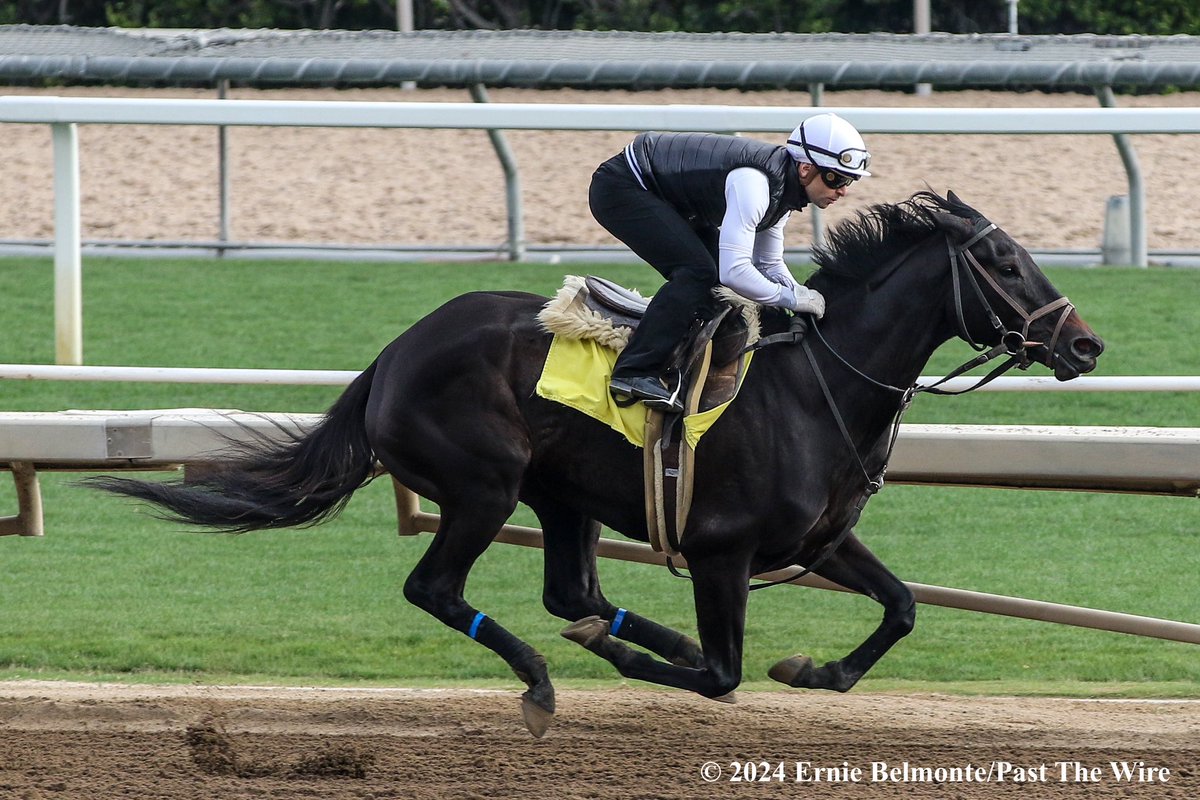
column 684, row 254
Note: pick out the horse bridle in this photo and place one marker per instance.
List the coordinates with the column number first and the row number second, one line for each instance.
column 1014, row 344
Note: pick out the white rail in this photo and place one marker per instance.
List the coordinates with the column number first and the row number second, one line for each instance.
column 63, row 114
column 250, row 377
column 615, row 117
column 927, row 594
column 317, row 377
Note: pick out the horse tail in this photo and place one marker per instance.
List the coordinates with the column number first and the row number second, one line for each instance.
column 269, row 482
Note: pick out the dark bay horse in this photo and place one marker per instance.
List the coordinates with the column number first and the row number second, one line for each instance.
column 449, row 409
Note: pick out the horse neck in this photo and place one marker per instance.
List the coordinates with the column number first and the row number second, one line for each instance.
column 888, row 333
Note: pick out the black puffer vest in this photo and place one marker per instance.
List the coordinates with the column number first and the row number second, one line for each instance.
column 688, row 170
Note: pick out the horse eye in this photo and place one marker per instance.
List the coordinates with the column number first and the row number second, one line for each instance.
column 1010, row 271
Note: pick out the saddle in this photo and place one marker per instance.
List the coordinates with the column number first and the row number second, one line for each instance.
column 732, row 327
column 710, row 362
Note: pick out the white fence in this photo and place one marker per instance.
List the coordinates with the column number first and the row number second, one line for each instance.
column 341, row 377
column 1157, row 460
column 63, row 114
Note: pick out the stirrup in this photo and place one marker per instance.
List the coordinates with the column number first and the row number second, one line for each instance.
column 669, row 401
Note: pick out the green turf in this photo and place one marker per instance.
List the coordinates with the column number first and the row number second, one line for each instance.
column 113, row 593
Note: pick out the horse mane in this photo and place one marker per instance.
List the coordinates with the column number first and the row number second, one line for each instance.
column 862, row 244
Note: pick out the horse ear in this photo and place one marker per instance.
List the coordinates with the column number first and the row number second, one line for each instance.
column 956, row 206
column 958, row 228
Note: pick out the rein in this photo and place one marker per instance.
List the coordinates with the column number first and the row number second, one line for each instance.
column 1014, row 344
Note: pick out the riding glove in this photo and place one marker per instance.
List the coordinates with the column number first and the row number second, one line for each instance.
column 803, row 300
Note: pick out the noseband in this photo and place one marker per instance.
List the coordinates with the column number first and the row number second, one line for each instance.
column 1016, row 343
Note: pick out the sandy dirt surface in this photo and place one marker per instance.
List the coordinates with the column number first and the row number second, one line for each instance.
column 415, row 187
column 63, row 740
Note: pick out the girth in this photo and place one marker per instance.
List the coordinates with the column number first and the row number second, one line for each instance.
column 668, row 458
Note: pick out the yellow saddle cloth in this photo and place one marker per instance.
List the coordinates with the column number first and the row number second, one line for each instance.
column 576, row 374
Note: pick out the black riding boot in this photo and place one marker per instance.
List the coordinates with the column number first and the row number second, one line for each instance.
column 638, row 373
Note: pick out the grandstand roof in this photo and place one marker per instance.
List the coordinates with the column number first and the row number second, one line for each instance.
column 552, row 59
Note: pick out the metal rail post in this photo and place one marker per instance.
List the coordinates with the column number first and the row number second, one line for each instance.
column 512, row 183
column 68, row 264
column 223, row 174
column 817, row 92
column 1137, row 190
column 921, row 24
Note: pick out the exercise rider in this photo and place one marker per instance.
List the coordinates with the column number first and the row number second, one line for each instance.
column 705, row 209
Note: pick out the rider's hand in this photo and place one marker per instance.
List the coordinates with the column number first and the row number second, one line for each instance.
column 803, row 300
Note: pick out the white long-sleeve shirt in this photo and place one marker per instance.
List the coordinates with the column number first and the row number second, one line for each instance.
column 751, row 261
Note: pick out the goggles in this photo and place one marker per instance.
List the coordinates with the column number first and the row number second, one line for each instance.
column 851, row 157
column 836, row 180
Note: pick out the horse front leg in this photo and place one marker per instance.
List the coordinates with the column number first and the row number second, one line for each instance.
column 720, row 590
column 855, row 567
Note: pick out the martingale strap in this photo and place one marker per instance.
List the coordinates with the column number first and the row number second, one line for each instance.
column 797, row 327
column 872, row 485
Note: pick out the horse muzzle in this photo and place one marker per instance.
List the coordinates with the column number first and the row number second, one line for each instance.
column 1076, row 350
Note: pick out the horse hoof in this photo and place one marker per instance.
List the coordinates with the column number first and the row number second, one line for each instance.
column 730, row 698
column 789, row 670
column 587, row 631
column 537, row 718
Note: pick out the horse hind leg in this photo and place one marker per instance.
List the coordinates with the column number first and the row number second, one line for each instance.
column 855, row 567
column 677, row 648
column 720, row 596
column 449, row 427
column 436, row 586
column 571, row 588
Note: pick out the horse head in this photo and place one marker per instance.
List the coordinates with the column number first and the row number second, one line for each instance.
column 1000, row 295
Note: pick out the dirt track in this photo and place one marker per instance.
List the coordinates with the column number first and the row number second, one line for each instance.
column 105, row 742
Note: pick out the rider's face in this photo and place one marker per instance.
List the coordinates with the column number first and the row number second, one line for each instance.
column 819, row 193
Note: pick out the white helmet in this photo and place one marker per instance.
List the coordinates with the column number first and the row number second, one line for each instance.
column 829, row 141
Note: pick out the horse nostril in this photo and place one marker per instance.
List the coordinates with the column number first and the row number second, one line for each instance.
column 1087, row 347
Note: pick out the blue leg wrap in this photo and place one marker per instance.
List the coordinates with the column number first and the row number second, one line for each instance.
column 616, row 623
column 475, row 623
